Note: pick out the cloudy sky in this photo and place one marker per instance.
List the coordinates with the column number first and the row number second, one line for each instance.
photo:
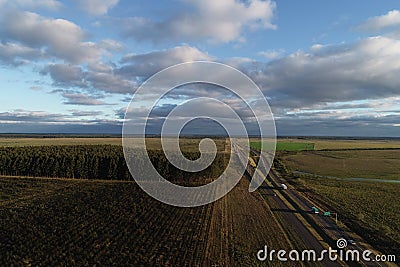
column 326, row 68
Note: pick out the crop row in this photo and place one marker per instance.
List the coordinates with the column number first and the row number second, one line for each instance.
column 95, row 223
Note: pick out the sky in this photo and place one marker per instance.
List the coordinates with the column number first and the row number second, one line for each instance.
column 326, row 68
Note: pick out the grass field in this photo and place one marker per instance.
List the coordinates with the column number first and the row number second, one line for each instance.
column 375, row 164
column 297, row 144
column 56, row 222
column 285, row 146
column 369, row 209
column 355, row 144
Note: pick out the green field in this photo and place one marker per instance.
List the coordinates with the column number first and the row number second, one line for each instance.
column 299, row 144
column 375, row 164
column 370, row 209
column 284, row 146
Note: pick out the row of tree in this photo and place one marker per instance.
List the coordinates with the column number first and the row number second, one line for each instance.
column 93, row 162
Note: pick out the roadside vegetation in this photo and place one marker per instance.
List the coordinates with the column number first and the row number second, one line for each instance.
column 370, row 209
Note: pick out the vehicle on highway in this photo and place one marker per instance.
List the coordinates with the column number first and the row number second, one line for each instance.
column 314, row 210
column 351, row 242
column 283, row 186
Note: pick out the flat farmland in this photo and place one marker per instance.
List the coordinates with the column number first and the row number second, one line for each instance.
column 374, row 164
column 284, row 145
column 79, row 222
column 300, row 144
column 369, row 209
column 355, row 144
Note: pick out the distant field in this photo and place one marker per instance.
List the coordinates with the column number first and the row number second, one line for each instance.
column 376, row 164
column 58, row 141
column 285, row 146
column 192, row 143
column 297, row 144
column 370, row 209
column 354, row 144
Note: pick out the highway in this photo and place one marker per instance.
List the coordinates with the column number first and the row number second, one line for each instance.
column 291, row 222
column 325, row 226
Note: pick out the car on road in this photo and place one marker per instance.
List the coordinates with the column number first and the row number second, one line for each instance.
column 351, row 242
column 314, row 210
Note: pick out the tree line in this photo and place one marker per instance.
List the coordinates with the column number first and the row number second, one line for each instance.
column 92, row 162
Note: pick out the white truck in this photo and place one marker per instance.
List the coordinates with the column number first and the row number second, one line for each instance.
column 284, row 187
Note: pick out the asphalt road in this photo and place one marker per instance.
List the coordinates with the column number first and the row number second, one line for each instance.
column 290, row 219
column 325, row 226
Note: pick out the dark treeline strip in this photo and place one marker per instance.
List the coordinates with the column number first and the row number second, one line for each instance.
column 92, row 162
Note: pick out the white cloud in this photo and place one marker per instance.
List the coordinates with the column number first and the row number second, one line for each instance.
column 32, row 4
column 110, row 83
column 81, row 99
column 92, row 80
column 16, row 54
column 391, row 19
column 66, row 75
column 97, row 7
column 272, row 54
column 49, row 4
column 59, row 37
column 365, row 70
column 219, row 21
column 145, row 65
column 111, row 45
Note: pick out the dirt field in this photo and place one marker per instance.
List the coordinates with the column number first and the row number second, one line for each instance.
column 376, row 164
column 54, row 221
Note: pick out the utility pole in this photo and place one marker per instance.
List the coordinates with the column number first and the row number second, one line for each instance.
column 336, row 217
